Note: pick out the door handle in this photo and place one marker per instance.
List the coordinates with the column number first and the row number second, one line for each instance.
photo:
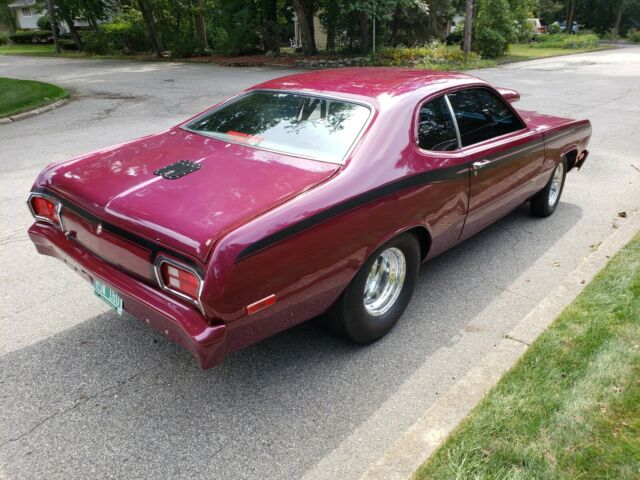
column 480, row 164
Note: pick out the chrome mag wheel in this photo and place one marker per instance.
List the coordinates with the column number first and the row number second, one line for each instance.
column 556, row 184
column 384, row 282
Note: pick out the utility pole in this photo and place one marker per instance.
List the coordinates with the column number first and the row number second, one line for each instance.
column 468, row 25
column 54, row 29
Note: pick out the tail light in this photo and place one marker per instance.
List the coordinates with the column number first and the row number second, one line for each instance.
column 45, row 209
column 179, row 279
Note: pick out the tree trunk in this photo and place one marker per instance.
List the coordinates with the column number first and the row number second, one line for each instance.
column 395, row 23
column 468, row 27
column 304, row 12
column 54, row 27
column 271, row 41
column 201, row 28
column 147, row 15
column 571, row 11
column 68, row 18
column 364, row 32
column 332, row 14
column 616, row 26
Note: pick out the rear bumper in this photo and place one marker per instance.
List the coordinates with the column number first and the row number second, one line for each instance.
column 181, row 323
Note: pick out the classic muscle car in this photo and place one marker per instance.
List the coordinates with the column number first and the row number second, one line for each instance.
column 316, row 193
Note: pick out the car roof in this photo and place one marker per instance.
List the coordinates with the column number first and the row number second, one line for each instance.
column 369, row 82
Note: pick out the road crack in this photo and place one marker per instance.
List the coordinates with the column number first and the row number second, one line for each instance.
column 119, row 384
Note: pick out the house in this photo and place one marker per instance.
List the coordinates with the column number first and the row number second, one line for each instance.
column 26, row 14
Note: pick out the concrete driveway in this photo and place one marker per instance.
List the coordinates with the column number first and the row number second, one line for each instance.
column 85, row 393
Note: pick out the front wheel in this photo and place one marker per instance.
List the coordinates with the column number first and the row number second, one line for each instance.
column 379, row 293
column 544, row 202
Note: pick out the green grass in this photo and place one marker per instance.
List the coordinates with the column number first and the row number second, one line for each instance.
column 523, row 51
column 570, row 408
column 21, row 95
column 27, row 50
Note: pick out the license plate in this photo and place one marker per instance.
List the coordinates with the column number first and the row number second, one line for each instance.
column 108, row 295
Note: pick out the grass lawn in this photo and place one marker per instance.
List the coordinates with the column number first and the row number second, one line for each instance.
column 570, row 408
column 20, row 95
column 27, row 50
column 523, row 51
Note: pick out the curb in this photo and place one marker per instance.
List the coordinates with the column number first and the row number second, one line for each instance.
column 423, row 437
column 34, row 112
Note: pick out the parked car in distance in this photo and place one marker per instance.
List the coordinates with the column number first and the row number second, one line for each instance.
column 563, row 27
column 316, row 193
column 536, row 26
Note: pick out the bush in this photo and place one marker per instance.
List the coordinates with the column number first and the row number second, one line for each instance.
column 563, row 40
column 553, row 29
column 4, row 39
column 31, row 36
column 493, row 28
column 434, row 55
column 44, row 23
column 633, row 35
column 116, row 37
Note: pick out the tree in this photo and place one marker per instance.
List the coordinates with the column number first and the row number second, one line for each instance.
column 201, row 27
column 468, row 26
column 571, row 11
column 493, row 28
column 6, row 15
column 150, row 22
column 305, row 11
column 270, row 39
column 54, row 26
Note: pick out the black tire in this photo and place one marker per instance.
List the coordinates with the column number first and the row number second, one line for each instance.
column 541, row 204
column 350, row 318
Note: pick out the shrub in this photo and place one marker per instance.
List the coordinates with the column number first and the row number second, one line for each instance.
column 44, row 23
column 633, row 35
column 563, row 40
column 4, row 39
column 493, row 28
column 116, row 37
column 31, row 36
column 434, row 56
column 553, row 29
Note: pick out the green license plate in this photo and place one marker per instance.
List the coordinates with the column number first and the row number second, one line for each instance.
column 108, row 295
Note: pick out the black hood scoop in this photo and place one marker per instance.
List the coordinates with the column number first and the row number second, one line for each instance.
column 177, row 170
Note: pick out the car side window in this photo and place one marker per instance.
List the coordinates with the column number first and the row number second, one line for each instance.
column 436, row 131
column 481, row 115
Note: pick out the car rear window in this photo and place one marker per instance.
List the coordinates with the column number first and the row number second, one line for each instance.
column 296, row 124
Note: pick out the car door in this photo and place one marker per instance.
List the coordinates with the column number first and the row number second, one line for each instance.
column 440, row 159
column 503, row 154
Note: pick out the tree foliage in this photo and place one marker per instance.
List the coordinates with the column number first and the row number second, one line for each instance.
column 237, row 27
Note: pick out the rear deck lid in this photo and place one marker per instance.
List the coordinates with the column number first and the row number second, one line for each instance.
column 218, row 185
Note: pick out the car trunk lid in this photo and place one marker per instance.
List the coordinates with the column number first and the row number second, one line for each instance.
column 232, row 184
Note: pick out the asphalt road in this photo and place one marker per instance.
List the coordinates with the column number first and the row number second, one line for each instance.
column 85, row 393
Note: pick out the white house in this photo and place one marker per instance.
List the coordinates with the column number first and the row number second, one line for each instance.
column 26, row 14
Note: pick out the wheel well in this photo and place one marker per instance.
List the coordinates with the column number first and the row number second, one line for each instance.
column 571, row 157
column 424, row 239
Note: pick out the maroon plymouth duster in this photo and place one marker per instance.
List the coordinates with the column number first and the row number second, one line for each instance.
column 315, row 193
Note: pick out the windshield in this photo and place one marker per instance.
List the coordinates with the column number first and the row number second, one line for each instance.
column 296, row 124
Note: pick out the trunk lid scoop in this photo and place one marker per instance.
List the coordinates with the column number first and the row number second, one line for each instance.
column 177, row 170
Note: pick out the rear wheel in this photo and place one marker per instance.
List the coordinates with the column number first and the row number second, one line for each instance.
column 379, row 293
column 544, row 203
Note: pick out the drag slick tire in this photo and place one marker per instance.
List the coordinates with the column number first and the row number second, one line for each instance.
column 379, row 293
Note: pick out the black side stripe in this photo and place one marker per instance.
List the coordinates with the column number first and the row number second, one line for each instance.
column 565, row 133
column 433, row 176
column 421, row 179
column 153, row 247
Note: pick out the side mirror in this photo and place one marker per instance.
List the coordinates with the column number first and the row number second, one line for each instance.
column 509, row 95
